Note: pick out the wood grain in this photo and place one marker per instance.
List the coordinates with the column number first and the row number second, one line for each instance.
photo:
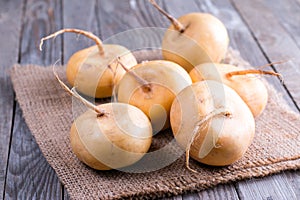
column 78, row 16
column 65, row 194
column 138, row 14
column 287, row 13
column 10, row 18
column 279, row 183
column 274, row 187
column 262, row 31
column 241, row 39
column 294, row 180
column 298, row 1
column 41, row 19
column 141, row 9
column 275, row 42
column 73, row 12
column 220, row 192
column 29, row 176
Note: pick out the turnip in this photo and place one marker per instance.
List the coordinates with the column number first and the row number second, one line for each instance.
column 87, row 69
column 193, row 39
column 250, row 88
column 152, row 87
column 212, row 122
column 109, row 136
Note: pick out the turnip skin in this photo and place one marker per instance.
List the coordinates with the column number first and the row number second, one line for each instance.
column 111, row 135
column 82, row 153
column 204, row 39
column 88, row 71
column 117, row 139
column 250, row 88
column 193, row 39
column 164, row 79
column 227, row 136
column 92, row 70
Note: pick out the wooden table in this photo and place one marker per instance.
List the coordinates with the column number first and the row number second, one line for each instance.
column 262, row 30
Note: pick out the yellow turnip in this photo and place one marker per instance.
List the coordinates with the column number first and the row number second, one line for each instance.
column 212, row 123
column 152, row 87
column 250, row 88
column 87, row 69
column 193, row 39
column 109, row 136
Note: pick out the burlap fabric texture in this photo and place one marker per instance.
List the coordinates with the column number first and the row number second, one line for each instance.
column 47, row 110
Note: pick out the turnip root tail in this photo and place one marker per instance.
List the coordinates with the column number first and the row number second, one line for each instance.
column 145, row 84
column 178, row 26
column 209, row 116
column 74, row 93
column 252, row 71
column 258, row 71
column 78, row 31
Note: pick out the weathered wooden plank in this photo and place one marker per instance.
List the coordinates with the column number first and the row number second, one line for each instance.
column 148, row 16
column 241, row 39
column 279, row 182
column 41, row 18
column 274, row 40
column 78, row 16
column 29, row 176
column 298, row 1
column 177, row 9
column 267, row 188
column 138, row 14
column 294, row 181
column 75, row 15
column 219, row 192
column 10, row 23
column 287, row 13
column 65, row 195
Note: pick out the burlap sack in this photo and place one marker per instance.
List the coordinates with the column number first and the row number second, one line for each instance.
column 48, row 114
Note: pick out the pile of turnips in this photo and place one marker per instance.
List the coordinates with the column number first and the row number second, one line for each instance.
column 210, row 106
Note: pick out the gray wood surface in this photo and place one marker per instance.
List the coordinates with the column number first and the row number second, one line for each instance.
column 241, row 39
column 264, row 24
column 71, row 19
column 29, row 176
column 177, row 9
column 219, row 192
column 150, row 14
column 10, row 31
column 275, row 41
column 287, row 14
column 262, row 31
column 275, row 187
column 84, row 18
